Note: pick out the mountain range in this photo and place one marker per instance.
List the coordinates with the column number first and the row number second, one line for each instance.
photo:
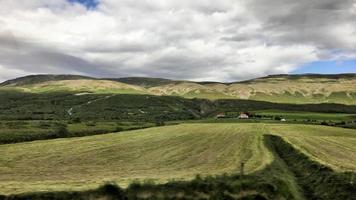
column 300, row 89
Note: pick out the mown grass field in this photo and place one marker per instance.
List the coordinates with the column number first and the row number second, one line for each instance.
column 162, row 154
column 334, row 147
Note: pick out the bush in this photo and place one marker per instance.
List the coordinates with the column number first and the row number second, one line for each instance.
column 76, row 120
column 324, row 123
column 118, row 129
column 14, row 124
column 61, row 130
column 91, row 123
column 112, row 190
column 159, row 122
column 43, row 124
column 277, row 118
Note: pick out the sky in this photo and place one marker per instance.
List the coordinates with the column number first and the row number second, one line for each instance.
column 328, row 67
column 225, row 40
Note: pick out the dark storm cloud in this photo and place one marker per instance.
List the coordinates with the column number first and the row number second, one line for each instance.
column 31, row 58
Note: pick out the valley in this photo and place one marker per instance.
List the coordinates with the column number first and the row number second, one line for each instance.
column 177, row 100
column 73, row 137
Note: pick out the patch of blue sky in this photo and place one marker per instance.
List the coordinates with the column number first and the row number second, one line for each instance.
column 328, row 67
column 90, row 4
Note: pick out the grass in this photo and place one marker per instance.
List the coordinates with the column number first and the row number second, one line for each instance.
column 88, row 107
column 297, row 115
column 274, row 116
column 333, row 147
column 141, row 108
column 160, row 154
column 316, row 180
column 20, row 131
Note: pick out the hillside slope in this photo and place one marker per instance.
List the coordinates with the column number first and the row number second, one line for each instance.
column 300, row 89
column 144, row 81
column 80, row 85
column 35, row 79
column 278, row 88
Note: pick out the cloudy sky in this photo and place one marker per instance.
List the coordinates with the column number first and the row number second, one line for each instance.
column 223, row 40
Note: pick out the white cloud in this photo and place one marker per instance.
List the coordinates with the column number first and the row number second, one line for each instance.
column 223, row 40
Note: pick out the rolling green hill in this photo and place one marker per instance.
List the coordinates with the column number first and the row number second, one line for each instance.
column 35, row 79
column 278, row 88
column 144, row 81
column 281, row 160
column 132, row 107
column 299, row 89
column 80, row 86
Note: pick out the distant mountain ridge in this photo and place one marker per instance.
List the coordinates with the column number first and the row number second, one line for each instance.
column 33, row 79
column 145, row 82
column 152, row 82
column 281, row 88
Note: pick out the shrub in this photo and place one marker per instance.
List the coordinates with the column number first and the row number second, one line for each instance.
column 91, row 123
column 76, row 120
column 324, row 123
column 159, row 122
column 113, row 190
column 43, row 124
column 61, row 131
column 277, row 118
column 118, row 129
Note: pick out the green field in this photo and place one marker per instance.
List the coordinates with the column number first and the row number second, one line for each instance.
column 21, row 131
column 297, row 115
column 334, row 147
column 162, row 154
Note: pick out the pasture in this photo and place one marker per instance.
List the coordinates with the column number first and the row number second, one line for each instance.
column 161, row 154
column 20, row 131
column 333, row 147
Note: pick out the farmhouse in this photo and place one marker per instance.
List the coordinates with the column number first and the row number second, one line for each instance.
column 243, row 116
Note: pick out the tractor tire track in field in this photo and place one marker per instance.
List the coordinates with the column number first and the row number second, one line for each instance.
column 316, row 180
